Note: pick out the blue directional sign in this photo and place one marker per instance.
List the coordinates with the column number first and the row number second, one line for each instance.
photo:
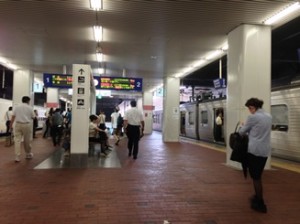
column 219, row 83
column 57, row 81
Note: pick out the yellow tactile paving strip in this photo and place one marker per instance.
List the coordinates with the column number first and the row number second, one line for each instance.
column 275, row 162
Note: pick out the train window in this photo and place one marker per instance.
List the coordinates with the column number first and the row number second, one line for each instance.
column 204, row 117
column 155, row 118
column 191, row 118
column 279, row 117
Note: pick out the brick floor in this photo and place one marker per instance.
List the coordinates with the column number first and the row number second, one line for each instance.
column 179, row 182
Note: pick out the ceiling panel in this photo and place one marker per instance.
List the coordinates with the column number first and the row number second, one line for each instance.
column 144, row 38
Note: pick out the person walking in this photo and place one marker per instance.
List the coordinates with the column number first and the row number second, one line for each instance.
column 258, row 128
column 134, row 128
column 57, row 127
column 114, row 124
column 35, row 123
column 22, row 116
column 101, row 118
column 7, row 118
column 68, row 118
column 48, row 122
column 120, row 122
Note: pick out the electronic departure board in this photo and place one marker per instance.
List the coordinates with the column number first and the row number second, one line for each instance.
column 103, row 83
column 57, row 80
column 120, row 83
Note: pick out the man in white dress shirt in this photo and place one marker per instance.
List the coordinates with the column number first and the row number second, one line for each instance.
column 22, row 116
column 134, row 128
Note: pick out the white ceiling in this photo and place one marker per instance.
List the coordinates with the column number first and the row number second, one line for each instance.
column 151, row 39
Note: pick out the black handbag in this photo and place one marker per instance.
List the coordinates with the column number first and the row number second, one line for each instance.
column 239, row 145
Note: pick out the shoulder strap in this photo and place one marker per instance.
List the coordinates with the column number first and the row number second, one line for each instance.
column 236, row 127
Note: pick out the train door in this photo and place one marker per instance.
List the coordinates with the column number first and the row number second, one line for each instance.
column 182, row 123
column 218, row 126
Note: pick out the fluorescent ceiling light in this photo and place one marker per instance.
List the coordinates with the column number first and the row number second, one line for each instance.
column 96, row 4
column 3, row 61
column 99, row 57
column 100, row 70
column 98, row 31
column 199, row 63
column 282, row 13
column 7, row 64
column 214, row 54
column 179, row 75
column 11, row 66
column 225, row 47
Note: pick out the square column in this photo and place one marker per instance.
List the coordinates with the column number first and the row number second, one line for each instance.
column 81, row 108
column 52, row 98
column 171, row 124
column 148, row 111
column 22, row 86
column 248, row 75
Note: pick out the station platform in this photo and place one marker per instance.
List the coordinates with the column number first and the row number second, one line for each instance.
column 180, row 183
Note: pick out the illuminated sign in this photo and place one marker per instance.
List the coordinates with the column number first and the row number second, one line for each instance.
column 102, row 83
column 120, row 83
column 219, row 83
column 57, row 80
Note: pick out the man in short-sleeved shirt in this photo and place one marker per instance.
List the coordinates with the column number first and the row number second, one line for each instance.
column 134, row 127
column 22, row 117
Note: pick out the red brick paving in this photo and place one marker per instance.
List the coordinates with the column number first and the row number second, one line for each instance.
column 178, row 182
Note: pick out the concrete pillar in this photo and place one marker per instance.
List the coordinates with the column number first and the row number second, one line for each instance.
column 80, row 110
column 248, row 75
column 148, row 111
column 52, row 98
column 171, row 113
column 22, row 86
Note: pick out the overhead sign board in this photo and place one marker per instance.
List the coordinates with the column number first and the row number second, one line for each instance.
column 102, row 83
column 57, row 81
column 219, row 83
column 120, row 83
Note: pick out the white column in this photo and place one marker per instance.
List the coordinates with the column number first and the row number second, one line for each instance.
column 22, row 86
column 148, row 111
column 249, row 74
column 171, row 110
column 80, row 109
column 93, row 103
column 52, row 98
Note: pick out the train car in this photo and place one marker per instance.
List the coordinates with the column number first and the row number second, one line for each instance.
column 157, row 120
column 207, row 114
column 198, row 121
column 285, row 135
column 189, row 120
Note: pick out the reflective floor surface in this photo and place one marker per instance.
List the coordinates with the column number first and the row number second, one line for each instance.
column 91, row 160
